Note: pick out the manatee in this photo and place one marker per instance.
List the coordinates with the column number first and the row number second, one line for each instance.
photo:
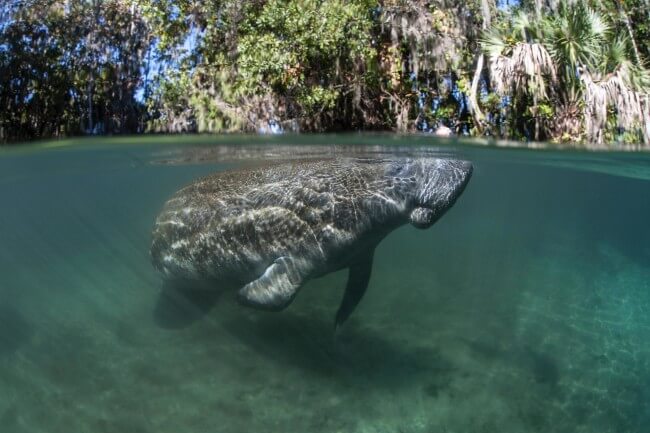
column 266, row 231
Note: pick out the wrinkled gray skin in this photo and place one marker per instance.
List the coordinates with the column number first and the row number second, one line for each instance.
column 269, row 230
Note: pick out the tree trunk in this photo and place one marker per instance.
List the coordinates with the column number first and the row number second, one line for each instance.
column 536, row 117
column 628, row 25
column 474, row 109
column 90, row 103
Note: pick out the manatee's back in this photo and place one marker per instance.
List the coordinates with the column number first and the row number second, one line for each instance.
column 240, row 220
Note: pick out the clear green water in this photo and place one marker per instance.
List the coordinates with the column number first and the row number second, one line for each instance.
column 525, row 309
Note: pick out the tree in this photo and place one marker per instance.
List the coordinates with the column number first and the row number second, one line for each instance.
column 561, row 70
column 572, row 57
column 69, row 75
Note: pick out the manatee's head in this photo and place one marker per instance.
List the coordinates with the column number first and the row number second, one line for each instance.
column 437, row 185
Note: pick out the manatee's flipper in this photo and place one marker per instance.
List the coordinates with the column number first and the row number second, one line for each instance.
column 276, row 288
column 358, row 279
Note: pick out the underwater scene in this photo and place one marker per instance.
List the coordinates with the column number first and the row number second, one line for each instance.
column 525, row 308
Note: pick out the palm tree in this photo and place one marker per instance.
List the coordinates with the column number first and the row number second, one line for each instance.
column 571, row 58
column 520, row 65
column 474, row 108
column 575, row 37
column 627, row 90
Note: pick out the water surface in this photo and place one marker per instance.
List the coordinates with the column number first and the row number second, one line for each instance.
column 526, row 308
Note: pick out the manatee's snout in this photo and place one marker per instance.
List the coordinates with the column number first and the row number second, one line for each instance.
column 443, row 181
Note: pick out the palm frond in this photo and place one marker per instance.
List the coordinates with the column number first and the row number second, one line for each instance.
column 577, row 36
column 501, row 74
column 521, row 25
column 526, row 70
column 621, row 90
column 527, row 29
column 493, row 43
column 639, row 78
column 614, row 54
column 595, row 22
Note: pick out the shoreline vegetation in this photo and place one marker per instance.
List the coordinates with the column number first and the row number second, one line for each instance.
column 572, row 73
column 319, row 142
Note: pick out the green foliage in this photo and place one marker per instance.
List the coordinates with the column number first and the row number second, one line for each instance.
column 312, row 50
column 559, row 54
column 577, row 36
column 491, row 103
column 71, row 68
column 124, row 66
column 546, row 111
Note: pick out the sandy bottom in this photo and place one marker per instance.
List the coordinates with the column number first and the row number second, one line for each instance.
column 564, row 349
